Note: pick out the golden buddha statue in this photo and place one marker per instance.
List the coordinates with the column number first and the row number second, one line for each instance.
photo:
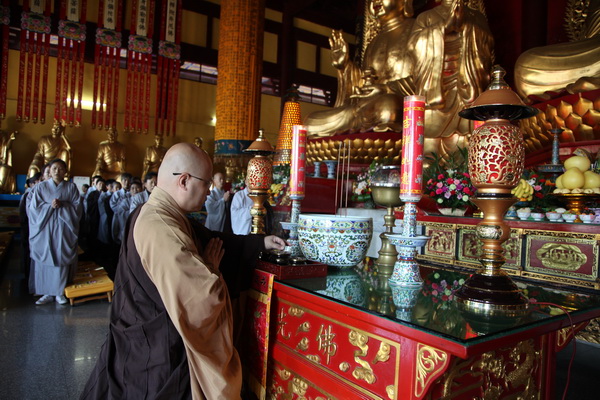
column 51, row 147
column 370, row 99
column 7, row 177
column 573, row 66
column 154, row 155
column 445, row 54
column 453, row 51
column 110, row 161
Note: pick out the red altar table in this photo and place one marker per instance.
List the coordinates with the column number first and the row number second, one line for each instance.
column 339, row 337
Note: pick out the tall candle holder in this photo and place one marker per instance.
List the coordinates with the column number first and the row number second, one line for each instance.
column 406, row 270
column 555, row 167
column 259, row 177
column 496, row 162
column 297, row 186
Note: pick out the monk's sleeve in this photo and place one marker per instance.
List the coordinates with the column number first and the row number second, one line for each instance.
column 196, row 300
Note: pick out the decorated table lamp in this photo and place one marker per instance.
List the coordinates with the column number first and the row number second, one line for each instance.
column 259, row 178
column 496, row 162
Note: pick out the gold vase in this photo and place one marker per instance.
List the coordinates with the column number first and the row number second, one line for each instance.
column 496, row 161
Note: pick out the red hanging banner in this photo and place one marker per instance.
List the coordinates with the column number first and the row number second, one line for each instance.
column 70, row 65
column 139, row 67
column 107, row 64
column 4, row 28
column 35, row 45
column 168, row 66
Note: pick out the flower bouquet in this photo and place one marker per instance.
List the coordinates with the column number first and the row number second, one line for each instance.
column 361, row 187
column 448, row 182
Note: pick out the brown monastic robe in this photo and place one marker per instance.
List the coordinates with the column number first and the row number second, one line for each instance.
column 170, row 334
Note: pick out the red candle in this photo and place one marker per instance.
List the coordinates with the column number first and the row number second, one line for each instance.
column 411, row 184
column 298, row 165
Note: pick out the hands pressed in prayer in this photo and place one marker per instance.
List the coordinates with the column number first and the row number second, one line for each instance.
column 56, row 203
column 213, row 253
column 274, row 242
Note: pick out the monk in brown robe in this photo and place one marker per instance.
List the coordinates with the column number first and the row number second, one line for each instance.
column 171, row 324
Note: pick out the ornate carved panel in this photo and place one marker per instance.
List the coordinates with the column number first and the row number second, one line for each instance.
column 366, row 362
column 565, row 254
column 287, row 385
column 442, row 242
column 506, row 373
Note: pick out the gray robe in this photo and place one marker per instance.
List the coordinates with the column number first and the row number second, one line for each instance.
column 105, row 224
column 215, row 208
column 53, row 236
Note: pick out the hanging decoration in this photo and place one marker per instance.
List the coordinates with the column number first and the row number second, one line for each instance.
column 4, row 23
column 139, row 65
column 167, row 82
column 107, row 64
column 35, row 46
column 69, row 61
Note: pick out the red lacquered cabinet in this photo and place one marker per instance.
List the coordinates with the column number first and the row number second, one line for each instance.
column 328, row 341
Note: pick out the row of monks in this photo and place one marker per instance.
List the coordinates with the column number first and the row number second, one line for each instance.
column 110, row 160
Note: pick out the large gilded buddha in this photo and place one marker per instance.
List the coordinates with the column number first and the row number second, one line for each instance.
column 574, row 66
column 371, row 98
column 445, row 54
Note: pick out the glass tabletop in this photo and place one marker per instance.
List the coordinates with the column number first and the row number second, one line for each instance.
column 432, row 306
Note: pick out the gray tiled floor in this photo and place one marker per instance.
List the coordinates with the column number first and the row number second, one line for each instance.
column 47, row 352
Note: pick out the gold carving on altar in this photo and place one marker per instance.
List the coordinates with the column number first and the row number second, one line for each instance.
column 299, row 387
column 345, row 366
column 314, row 358
column 503, row 373
column 281, row 323
column 566, row 257
column 283, row 374
column 303, row 344
column 8, row 182
column 383, row 354
column 364, row 371
column 326, row 343
column 564, row 336
column 303, row 327
column 391, row 392
column 591, row 333
column 429, row 362
column 296, row 311
column 441, row 242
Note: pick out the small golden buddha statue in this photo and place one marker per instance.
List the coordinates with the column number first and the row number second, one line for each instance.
column 50, row 147
column 154, row 155
column 573, row 66
column 110, row 161
column 198, row 142
column 7, row 177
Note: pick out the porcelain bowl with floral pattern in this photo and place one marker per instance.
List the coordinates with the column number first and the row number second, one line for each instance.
column 340, row 241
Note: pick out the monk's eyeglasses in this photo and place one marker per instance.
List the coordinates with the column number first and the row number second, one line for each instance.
column 200, row 179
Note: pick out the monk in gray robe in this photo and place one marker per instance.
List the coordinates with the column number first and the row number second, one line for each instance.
column 170, row 334
column 54, row 212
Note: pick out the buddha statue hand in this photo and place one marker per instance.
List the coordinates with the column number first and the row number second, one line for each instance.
column 339, row 49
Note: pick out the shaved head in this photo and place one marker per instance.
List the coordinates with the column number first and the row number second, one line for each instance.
column 185, row 173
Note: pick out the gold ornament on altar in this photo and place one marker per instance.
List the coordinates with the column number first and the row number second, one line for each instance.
column 290, row 117
column 496, row 161
column 50, row 147
column 445, row 54
column 110, row 161
column 259, row 178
